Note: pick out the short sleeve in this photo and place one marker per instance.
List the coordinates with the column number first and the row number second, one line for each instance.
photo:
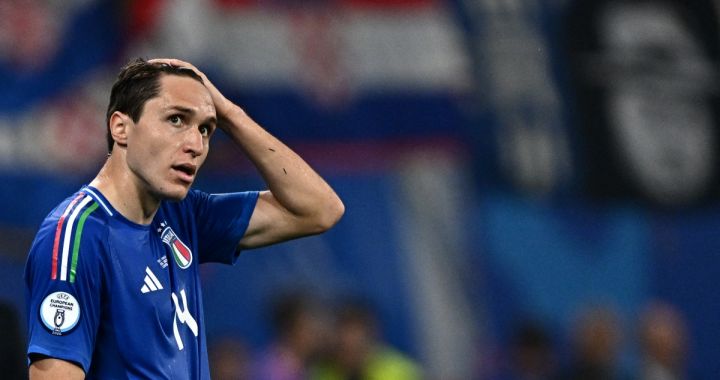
column 63, row 279
column 221, row 221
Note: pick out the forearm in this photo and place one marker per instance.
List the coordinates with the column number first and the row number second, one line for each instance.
column 293, row 183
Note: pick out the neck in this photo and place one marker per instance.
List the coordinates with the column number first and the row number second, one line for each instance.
column 125, row 191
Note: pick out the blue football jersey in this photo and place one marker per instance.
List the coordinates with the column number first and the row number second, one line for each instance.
column 123, row 300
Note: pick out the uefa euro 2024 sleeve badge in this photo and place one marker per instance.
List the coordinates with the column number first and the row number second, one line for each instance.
column 180, row 252
column 60, row 312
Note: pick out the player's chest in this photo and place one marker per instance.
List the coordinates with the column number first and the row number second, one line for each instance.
column 151, row 266
column 154, row 288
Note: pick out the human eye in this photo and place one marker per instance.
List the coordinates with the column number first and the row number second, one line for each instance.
column 175, row 119
column 205, row 130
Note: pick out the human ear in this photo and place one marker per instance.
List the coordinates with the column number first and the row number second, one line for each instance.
column 119, row 125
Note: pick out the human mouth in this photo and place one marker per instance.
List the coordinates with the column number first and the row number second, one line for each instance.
column 186, row 172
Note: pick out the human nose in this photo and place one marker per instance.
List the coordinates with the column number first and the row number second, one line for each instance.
column 194, row 142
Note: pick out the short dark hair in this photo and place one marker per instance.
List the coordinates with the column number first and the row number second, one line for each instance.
column 138, row 82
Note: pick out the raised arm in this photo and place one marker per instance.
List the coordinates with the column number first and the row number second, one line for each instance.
column 299, row 202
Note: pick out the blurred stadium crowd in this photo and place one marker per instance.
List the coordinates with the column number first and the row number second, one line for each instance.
column 531, row 186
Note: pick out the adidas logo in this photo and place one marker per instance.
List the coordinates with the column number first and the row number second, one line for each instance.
column 151, row 282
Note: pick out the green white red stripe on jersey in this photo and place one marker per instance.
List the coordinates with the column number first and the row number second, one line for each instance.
column 68, row 236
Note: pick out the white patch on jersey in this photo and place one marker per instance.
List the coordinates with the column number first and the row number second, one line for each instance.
column 60, row 312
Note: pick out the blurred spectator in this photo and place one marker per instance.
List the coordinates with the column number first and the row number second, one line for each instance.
column 229, row 360
column 663, row 343
column 12, row 349
column 532, row 355
column 595, row 343
column 298, row 322
column 357, row 354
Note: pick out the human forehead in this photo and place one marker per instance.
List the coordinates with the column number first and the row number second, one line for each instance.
column 184, row 92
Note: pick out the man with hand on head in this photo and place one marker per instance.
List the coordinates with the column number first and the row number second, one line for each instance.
column 113, row 288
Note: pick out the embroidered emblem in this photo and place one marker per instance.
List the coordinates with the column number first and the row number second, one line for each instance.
column 180, row 252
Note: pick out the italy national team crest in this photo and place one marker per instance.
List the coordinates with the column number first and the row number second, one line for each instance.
column 181, row 253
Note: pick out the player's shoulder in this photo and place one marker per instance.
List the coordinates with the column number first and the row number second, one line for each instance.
column 71, row 236
column 84, row 205
column 80, row 215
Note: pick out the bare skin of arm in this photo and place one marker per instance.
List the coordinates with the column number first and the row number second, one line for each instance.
column 299, row 202
column 53, row 369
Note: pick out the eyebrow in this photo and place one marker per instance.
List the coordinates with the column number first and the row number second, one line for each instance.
column 192, row 112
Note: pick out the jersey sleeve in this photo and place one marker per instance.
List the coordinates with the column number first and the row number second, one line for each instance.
column 221, row 220
column 64, row 286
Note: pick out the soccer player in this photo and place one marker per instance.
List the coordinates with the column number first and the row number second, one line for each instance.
column 112, row 277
